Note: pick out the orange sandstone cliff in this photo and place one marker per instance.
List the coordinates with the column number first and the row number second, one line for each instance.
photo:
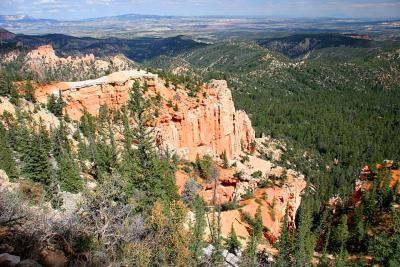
column 206, row 124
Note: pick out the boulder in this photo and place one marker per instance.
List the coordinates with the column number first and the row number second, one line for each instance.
column 52, row 258
column 208, row 250
column 28, row 263
column 4, row 180
column 6, row 248
column 8, row 260
column 232, row 259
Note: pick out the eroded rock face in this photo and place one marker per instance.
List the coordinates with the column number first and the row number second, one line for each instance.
column 206, row 124
column 44, row 62
column 45, row 57
column 273, row 200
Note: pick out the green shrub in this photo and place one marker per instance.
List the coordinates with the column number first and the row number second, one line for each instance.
column 257, row 174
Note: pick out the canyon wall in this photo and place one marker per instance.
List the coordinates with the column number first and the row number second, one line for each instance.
column 205, row 124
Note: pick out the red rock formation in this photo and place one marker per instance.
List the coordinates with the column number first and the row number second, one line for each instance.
column 272, row 201
column 204, row 124
column 209, row 124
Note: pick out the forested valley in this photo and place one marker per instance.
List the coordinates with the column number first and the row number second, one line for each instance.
column 334, row 112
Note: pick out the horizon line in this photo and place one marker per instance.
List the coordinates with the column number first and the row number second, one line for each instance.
column 214, row 15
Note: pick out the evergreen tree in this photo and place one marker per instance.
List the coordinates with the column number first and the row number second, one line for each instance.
column 36, row 165
column 258, row 227
column 83, row 153
column 197, row 232
column 216, row 240
column 233, row 243
column 150, row 176
column 385, row 245
column 250, row 257
column 14, row 95
column 61, row 143
column 29, row 92
column 106, row 151
column 7, row 163
column 19, row 134
column 285, row 244
column 88, row 128
column 55, row 104
column 359, row 232
column 4, row 84
column 44, row 137
column 341, row 236
column 305, row 240
column 324, row 258
column 68, row 174
column 225, row 161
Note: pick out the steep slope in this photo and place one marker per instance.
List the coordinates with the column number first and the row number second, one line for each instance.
column 6, row 35
column 206, row 123
column 300, row 44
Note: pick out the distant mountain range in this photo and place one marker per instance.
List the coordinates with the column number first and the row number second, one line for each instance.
column 22, row 18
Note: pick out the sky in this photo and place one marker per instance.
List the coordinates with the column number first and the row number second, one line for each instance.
column 79, row 9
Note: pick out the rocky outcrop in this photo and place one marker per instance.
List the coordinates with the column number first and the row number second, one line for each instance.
column 274, row 190
column 206, row 124
column 38, row 115
column 44, row 63
column 8, row 260
column 44, row 57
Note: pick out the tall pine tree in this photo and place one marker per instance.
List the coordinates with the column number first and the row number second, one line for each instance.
column 7, row 163
column 285, row 244
column 250, row 257
column 305, row 240
column 36, row 164
column 68, row 174
column 29, row 92
column 149, row 175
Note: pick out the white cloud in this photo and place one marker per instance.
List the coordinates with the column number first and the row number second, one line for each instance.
column 100, row 2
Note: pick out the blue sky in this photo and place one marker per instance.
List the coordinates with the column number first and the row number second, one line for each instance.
column 76, row 9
